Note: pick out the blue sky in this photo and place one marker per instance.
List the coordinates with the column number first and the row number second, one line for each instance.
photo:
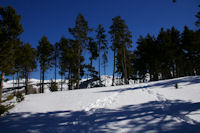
column 53, row 17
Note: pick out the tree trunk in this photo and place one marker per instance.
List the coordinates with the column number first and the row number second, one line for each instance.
column 173, row 71
column 26, row 83
column 113, row 80
column 125, row 69
column 69, row 80
column 61, row 80
column 104, row 68
column 99, row 64
column 91, row 69
column 13, row 81
column 42, row 81
column 79, row 68
column 18, row 79
column 1, row 87
column 55, row 68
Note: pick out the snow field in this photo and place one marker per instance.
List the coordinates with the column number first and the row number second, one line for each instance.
column 146, row 107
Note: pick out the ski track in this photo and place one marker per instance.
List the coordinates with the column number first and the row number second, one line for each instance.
column 101, row 103
column 164, row 105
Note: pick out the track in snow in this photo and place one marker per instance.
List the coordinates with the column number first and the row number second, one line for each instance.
column 101, row 103
column 165, row 105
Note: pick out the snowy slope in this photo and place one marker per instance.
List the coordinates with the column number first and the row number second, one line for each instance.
column 148, row 107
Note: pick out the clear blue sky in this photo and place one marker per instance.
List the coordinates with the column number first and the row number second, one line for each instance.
column 53, row 17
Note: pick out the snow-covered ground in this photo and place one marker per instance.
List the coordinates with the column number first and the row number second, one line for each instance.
column 152, row 107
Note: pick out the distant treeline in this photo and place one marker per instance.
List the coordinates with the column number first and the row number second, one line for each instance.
column 171, row 54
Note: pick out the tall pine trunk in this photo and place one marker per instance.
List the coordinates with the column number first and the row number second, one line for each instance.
column 55, row 68
column 18, row 79
column 1, row 87
column 13, row 81
column 99, row 65
column 113, row 80
column 91, row 69
column 104, row 65
column 26, row 83
column 69, row 80
column 79, row 68
column 61, row 81
column 42, row 81
column 125, row 68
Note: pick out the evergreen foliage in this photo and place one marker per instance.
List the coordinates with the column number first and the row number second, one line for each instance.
column 3, row 109
column 55, row 58
column 19, row 97
column 10, row 29
column 105, row 60
column 80, row 34
column 53, row 86
column 102, row 46
column 64, row 58
column 26, row 62
column 69, row 61
column 170, row 55
column 121, row 42
column 93, row 49
column 45, row 50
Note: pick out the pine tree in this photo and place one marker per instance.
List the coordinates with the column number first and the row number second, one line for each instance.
column 80, row 34
column 176, row 51
column 191, row 46
column 169, row 42
column 28, row 62
column 10, row 29
column 186, row 40
column 65, row 60
column 121, row 42
column 164, row 55
column 92, row 48
column 61, row 46
column 164, row 41
column 144, row 56
column 197, row 50
column 18, row 61
column 68, row 60
column 102, row 46
column 55, row 58
column 45, row 50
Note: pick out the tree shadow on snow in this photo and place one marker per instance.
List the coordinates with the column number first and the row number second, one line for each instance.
column 133, row 118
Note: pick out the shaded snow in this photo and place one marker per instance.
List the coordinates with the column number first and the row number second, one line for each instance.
column 147, row 107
